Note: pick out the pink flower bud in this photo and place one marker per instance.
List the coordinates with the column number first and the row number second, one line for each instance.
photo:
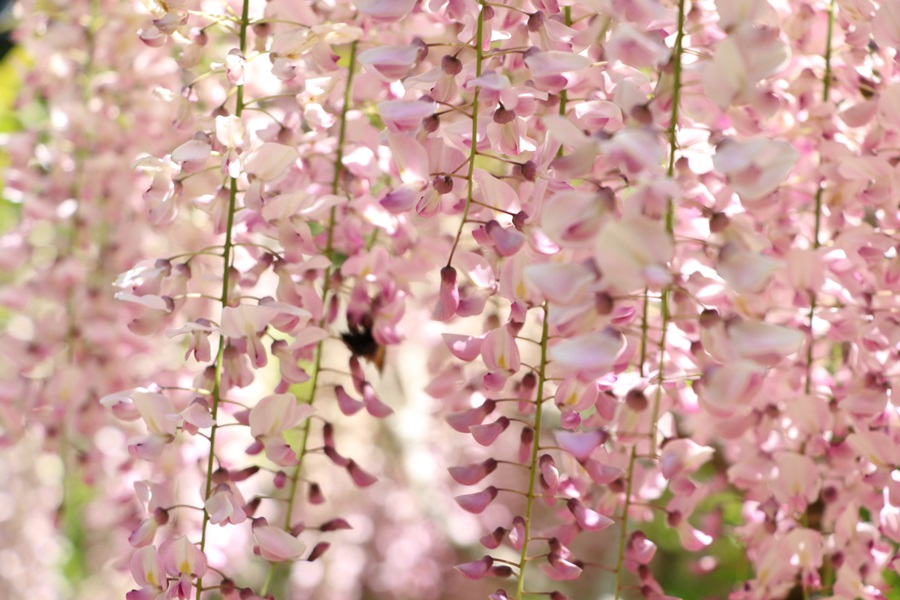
column 550, row 473
column 517, row 533
column 448, row 296
column 493, row 539
column 337, row 524
column 561, row 569
column 315, row 495
column 318, row 550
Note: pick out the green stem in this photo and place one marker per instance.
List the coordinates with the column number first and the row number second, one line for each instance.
column 226, row 284
column 533, row 467
column 70, row 506
column 813, row 299
column 826, row 91
column 657, row 396
column 473, row 149
column 564, row 94
column 623, row 530
column 664, row 308
column 329, row 247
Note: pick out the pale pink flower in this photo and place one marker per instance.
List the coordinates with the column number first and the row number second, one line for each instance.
column 755, row 167
column 744, row 58
column 181, row 558
column 247, row 322
column 270, row 161
column 390, row 63
column 147, row 569
column 797, row 482
column 635, row 48
column 275, row 544
column 405, row 116
column 633, row 253
column 591, row 354
column 385, row 11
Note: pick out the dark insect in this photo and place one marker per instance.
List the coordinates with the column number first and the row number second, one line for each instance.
column 362, row 343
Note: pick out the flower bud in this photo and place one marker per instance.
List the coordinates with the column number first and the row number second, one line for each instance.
column 451, row 65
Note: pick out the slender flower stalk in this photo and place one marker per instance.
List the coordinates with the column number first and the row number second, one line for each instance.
column 816, row 241
column 473, row 147
column 670, row 216
column 227, row 250
column 317, row 365
column 328, row 251
column 535, row 449
column 665, row 312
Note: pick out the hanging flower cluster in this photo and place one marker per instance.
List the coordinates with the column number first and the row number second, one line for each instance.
column 628, row 269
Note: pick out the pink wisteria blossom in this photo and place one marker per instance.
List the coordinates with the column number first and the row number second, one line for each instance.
column 450, row 299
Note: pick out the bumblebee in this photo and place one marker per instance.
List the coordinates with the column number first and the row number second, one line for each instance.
column 360, row 341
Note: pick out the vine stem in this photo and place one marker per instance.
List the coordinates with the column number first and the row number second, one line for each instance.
column 329, row 248
column 826, row 92
column 473, row 149
column 813, row 299
column 623, row 531
column 664, row 301
column 226, row 281
column 535, row 447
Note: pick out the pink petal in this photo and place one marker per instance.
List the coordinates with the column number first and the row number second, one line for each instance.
column 587, row 518
column 500, row 351
column 193, row 151
column 635, row 48
column 572, row 219
column 157, row 411
column 590, row 353
column 276, row 413
column 401, row 199
column 602, row 474
column 275, row 544
column 487, row 434
column 560, row 283
column 385, row 11
column 507, row 240
column 360, row 477
column 549, row 473
column 147, row 569
column 448, row 296
column 374, row 405
column 560, row 569
column 390, row 63
column 474, row 473
column 580, row 444
column 405, row 116
column 463, row 347
column 270, row 161
column 683, row 456
column 764, row 342
column 476, row 569
column 477, row 502
column 639, row 548
column 181, row 557
column 462, row 421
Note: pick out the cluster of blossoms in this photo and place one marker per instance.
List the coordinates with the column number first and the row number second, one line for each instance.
column 627, row 268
